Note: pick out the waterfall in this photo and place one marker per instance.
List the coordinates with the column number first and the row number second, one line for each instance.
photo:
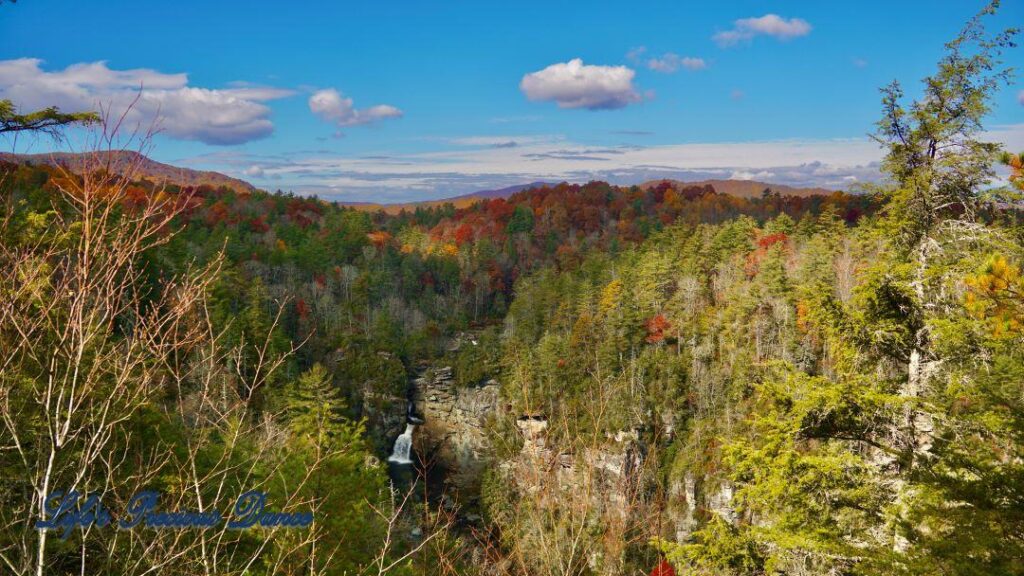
column 403, row 446
column 410, row 413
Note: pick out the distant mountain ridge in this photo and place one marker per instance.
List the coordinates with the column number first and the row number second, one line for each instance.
column 460, row 201
column 738, row 188
column 743, row 188
column 503, row 192
column 120, row 160
column 166, row 173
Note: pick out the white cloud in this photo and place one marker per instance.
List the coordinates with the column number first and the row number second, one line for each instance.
column 1011, row 136
column 574, row 84
column 468, row 164
column 749, row 175
column 745, row 29
column 459, row 169
column 331, row 106
column 634, row 54
column 670, row 63
column 256, row 91
column 214, row 116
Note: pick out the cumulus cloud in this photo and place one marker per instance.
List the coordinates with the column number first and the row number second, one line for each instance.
column 214, row 116
column 745, row 29
column 669, row 63
column 331, row 106
column 574, row 84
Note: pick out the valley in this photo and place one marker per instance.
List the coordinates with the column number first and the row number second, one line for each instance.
column 591, row 373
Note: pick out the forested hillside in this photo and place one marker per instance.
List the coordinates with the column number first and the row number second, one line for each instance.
column 662, row 377
column 812, row 395
column 118, row 161
column 304, row 300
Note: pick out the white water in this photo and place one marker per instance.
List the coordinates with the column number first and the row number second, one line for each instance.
column 403, row 445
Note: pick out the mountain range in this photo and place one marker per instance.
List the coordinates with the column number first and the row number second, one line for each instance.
column 118, row 161
column 165, row 173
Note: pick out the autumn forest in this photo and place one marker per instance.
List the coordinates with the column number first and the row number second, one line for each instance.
column 574, row 379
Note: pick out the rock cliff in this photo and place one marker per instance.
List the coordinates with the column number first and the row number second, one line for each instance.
column 454, row 432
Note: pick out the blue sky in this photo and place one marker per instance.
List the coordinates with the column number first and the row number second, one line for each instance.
column 451, row 97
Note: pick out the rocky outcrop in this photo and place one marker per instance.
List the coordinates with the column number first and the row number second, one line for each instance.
column 593, row 483
column 692, row 498
column 385, row 418
column 534, row 432
column 613, row 474
column 455, row 419
column 610, row 472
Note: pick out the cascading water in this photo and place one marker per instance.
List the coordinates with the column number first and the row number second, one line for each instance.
column 410, row 413
column 403, row 446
